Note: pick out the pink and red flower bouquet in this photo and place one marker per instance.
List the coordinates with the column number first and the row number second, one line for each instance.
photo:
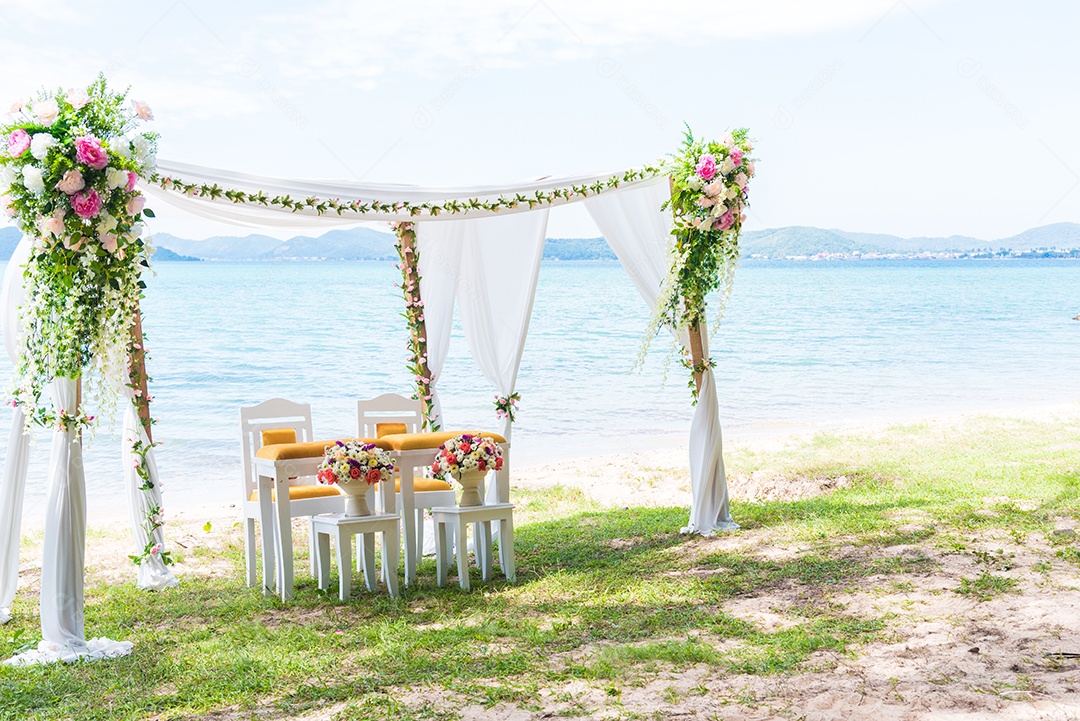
column 351, row 461
column 466, row 452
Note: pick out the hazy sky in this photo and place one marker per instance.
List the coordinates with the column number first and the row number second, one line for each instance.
column 918, row 117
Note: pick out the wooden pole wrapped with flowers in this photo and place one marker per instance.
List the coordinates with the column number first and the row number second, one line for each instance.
column 409, row 257
column 69, row 173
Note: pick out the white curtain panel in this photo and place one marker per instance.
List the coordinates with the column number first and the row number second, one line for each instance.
column 440, row 247
column 154, row 575
column 638, row 231
column 223, row 209
column 64, row 550
column 500, row 265
column 18, row 448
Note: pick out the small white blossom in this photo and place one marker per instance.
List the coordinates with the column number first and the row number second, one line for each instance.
column 117, row 178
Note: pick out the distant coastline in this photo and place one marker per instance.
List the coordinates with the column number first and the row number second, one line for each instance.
column 793, row 243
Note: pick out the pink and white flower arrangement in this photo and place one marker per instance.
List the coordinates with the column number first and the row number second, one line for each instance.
column 466, row 452
column 355, row 462
column 76, row 199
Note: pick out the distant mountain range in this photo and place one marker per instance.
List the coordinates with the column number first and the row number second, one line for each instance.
column 789, row 242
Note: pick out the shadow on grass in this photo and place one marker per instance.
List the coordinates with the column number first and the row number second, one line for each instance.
column 598, row 595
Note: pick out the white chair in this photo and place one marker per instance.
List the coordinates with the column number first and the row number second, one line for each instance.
column 342, row 528
column 390, row 414
column 270, row 423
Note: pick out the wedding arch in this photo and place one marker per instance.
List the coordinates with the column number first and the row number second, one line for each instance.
column 673, row 226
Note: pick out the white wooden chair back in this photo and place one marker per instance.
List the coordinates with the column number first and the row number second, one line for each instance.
column 388, row 408
column 276, row 413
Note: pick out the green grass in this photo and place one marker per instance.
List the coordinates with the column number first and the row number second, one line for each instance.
column 605, row 596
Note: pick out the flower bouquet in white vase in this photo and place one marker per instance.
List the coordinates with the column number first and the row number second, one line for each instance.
column 354, row 467
column 467, row 459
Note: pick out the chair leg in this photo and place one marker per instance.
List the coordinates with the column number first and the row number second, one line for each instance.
column 311, row 554
column 506, row 548
column 370, row 577
column 344, row 563
column 419, row 534
column 462, row 554
column 249, row 552
column 322, row 559
column 443, row 539
column 391, row 550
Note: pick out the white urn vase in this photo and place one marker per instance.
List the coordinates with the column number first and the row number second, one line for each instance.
column 470, row 487
column 355, row 498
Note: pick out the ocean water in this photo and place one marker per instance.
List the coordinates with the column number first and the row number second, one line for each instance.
column 800, row 342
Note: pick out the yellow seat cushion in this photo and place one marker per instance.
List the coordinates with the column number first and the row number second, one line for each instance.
column 417, row 441
column 390, row 429
column 313, row 449
column 426, row 484
column 273, row 436
column 299, row 493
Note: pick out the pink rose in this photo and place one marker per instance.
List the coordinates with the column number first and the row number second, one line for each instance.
column 110, row 242
column 142, row 110
column 373, row 476
column 74, row 243
column 53, row 225
column 86, row 205
column 89, row 152
column 724, row 222
column 706, row 202
column 741, row 180
column 46, row 111
column 706, row 167
column 736, row 156
column 77, row 97
column 9, row 206
column 750, row 168
column 71, row 183
column 155, row 549
column 18, row 143
column 714, row 188
column 135, row 205
column 133, row 178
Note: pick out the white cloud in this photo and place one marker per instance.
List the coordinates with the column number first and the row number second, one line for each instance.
column 355, row 40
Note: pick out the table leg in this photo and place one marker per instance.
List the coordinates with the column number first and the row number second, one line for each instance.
column 463, row 553
column 322, row 558
column 370, row 577
column 442, row 551
column 344, row 564
column 506, row 549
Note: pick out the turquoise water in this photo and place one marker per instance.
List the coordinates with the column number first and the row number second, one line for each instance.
column 801, row 342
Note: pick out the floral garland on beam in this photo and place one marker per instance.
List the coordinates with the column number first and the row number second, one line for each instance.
column 457, row 206
column 709, row 192
column 409, row 255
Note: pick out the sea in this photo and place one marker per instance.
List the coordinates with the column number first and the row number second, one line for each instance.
column 800, row 344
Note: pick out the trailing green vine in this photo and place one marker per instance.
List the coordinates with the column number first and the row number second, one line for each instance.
column 409, row 255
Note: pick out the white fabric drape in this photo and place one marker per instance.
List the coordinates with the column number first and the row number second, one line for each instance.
column 500, row 264
column 440, row 247
column 633, row 224
column 64, row 547
column 223, row 209
column 154, row 575
column 18, row 449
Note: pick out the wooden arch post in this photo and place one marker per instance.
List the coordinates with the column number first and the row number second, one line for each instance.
column 137, row 374
column 414, row 313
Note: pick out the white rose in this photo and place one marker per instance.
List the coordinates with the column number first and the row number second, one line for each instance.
column 40, row 144
column 46, row 111
column 8, row 175
column 727, row 166
column 121, row 146
column 117, row 178
column 141, row 146
column 32, row 179
column 137, row 230
column 107, row 224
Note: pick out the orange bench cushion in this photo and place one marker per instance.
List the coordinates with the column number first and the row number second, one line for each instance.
column 426, row 484
column 299, row 493
column 417, row 441
column 312, row 449
column 273, row 436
